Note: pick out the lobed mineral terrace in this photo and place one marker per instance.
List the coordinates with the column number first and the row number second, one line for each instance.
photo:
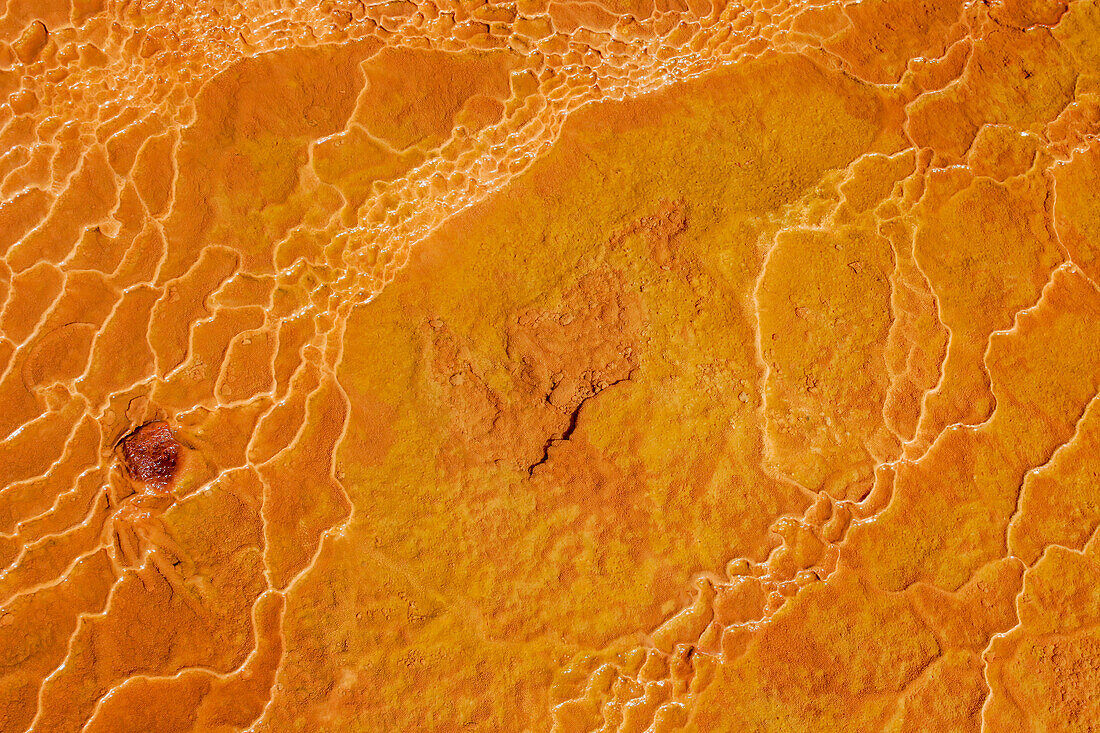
column 549, row 365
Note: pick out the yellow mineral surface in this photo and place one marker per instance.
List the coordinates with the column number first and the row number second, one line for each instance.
column 549, row 365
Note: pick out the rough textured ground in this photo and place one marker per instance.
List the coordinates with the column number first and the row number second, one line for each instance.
column 625, row 365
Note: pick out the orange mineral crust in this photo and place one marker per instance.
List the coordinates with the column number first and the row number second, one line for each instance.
column 549, row 366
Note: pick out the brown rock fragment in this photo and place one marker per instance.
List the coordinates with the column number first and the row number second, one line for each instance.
column 151, row 455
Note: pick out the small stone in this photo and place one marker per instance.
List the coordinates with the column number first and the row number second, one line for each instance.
column 151, row 454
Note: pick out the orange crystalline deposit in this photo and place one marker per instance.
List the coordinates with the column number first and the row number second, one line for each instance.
column 549, row 365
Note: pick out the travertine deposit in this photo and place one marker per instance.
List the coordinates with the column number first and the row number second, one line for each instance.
column 625, row 365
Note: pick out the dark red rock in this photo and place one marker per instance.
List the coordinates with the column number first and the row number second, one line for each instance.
column 151, row 454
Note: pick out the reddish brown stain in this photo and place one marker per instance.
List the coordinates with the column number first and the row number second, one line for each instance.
column 151, row 455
